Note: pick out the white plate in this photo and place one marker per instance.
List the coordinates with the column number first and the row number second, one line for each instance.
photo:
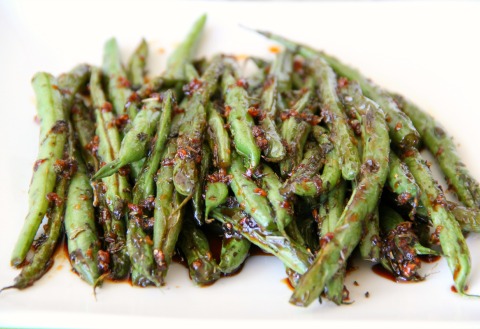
column 428, row 51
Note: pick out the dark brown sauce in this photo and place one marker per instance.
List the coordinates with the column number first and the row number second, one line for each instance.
column 215, row 243
column 257, row 251
column 429, row 258
column 379, row 270
column 179, row 259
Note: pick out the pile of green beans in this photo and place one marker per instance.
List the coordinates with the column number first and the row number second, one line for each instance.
column 304, row 158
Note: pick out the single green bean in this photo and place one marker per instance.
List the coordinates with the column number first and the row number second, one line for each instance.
column 53, row 136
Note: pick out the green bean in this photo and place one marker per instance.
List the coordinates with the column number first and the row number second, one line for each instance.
column 136, row 65
column 295, row 132
column 442, row 147
column 454, row 247
column 135, row 143
column 402, row 132
column 117, row 81
column 300, row 182
column 115, row 189
column 42, row 260
column 362, row 202
column 168, row 217
column 80, row 227
column 401, row 182
column 53, row 135
column 468, row 218
column 216, row 194
column 194, row 245
column 72, row 82
column 331, row 174
column 329, row 214
column 218, row 138
column 277, row 81
column 240, row 121
column 139, row 248
column 333, row 111
column 370, row 242
column 290, row 253
column 191, row 131
column 400, row 246
column 252, row 198
column 198, row 201
column 184, row 53
column 283, row 209
column 234, row 252
column 84, row 129
column 145, row 185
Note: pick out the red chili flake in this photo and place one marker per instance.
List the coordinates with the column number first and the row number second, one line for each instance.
column 122, row 121
column 268, row 83
column 242, row 83
column 284, row 115
column 260, row 139
column 178, row 110
column 192, row 87
column 65, row 168
column 435, row 237
column 124, row 171
column 254, row 112
column 219, row 176
column 439, row 151
column 182, row 153
column 315, row 215
column 103, row 261
column 148, row 240
column 38, row 163
column 398, row 126
column 55, row 87
column 92, row 146
column 326, row 239
column 54, row 197
column 342, row 82
column 292, row 113
column 259, row 191
column 315, row 120
column 123, row 82
column 134, row 97
column 106, row 107
column 167, row 162
column 135, row 209
column 298, row 65
column 409, row 153
column 227, row 110
column 285, row 204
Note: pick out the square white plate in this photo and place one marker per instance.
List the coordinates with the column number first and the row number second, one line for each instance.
column 428, row 51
